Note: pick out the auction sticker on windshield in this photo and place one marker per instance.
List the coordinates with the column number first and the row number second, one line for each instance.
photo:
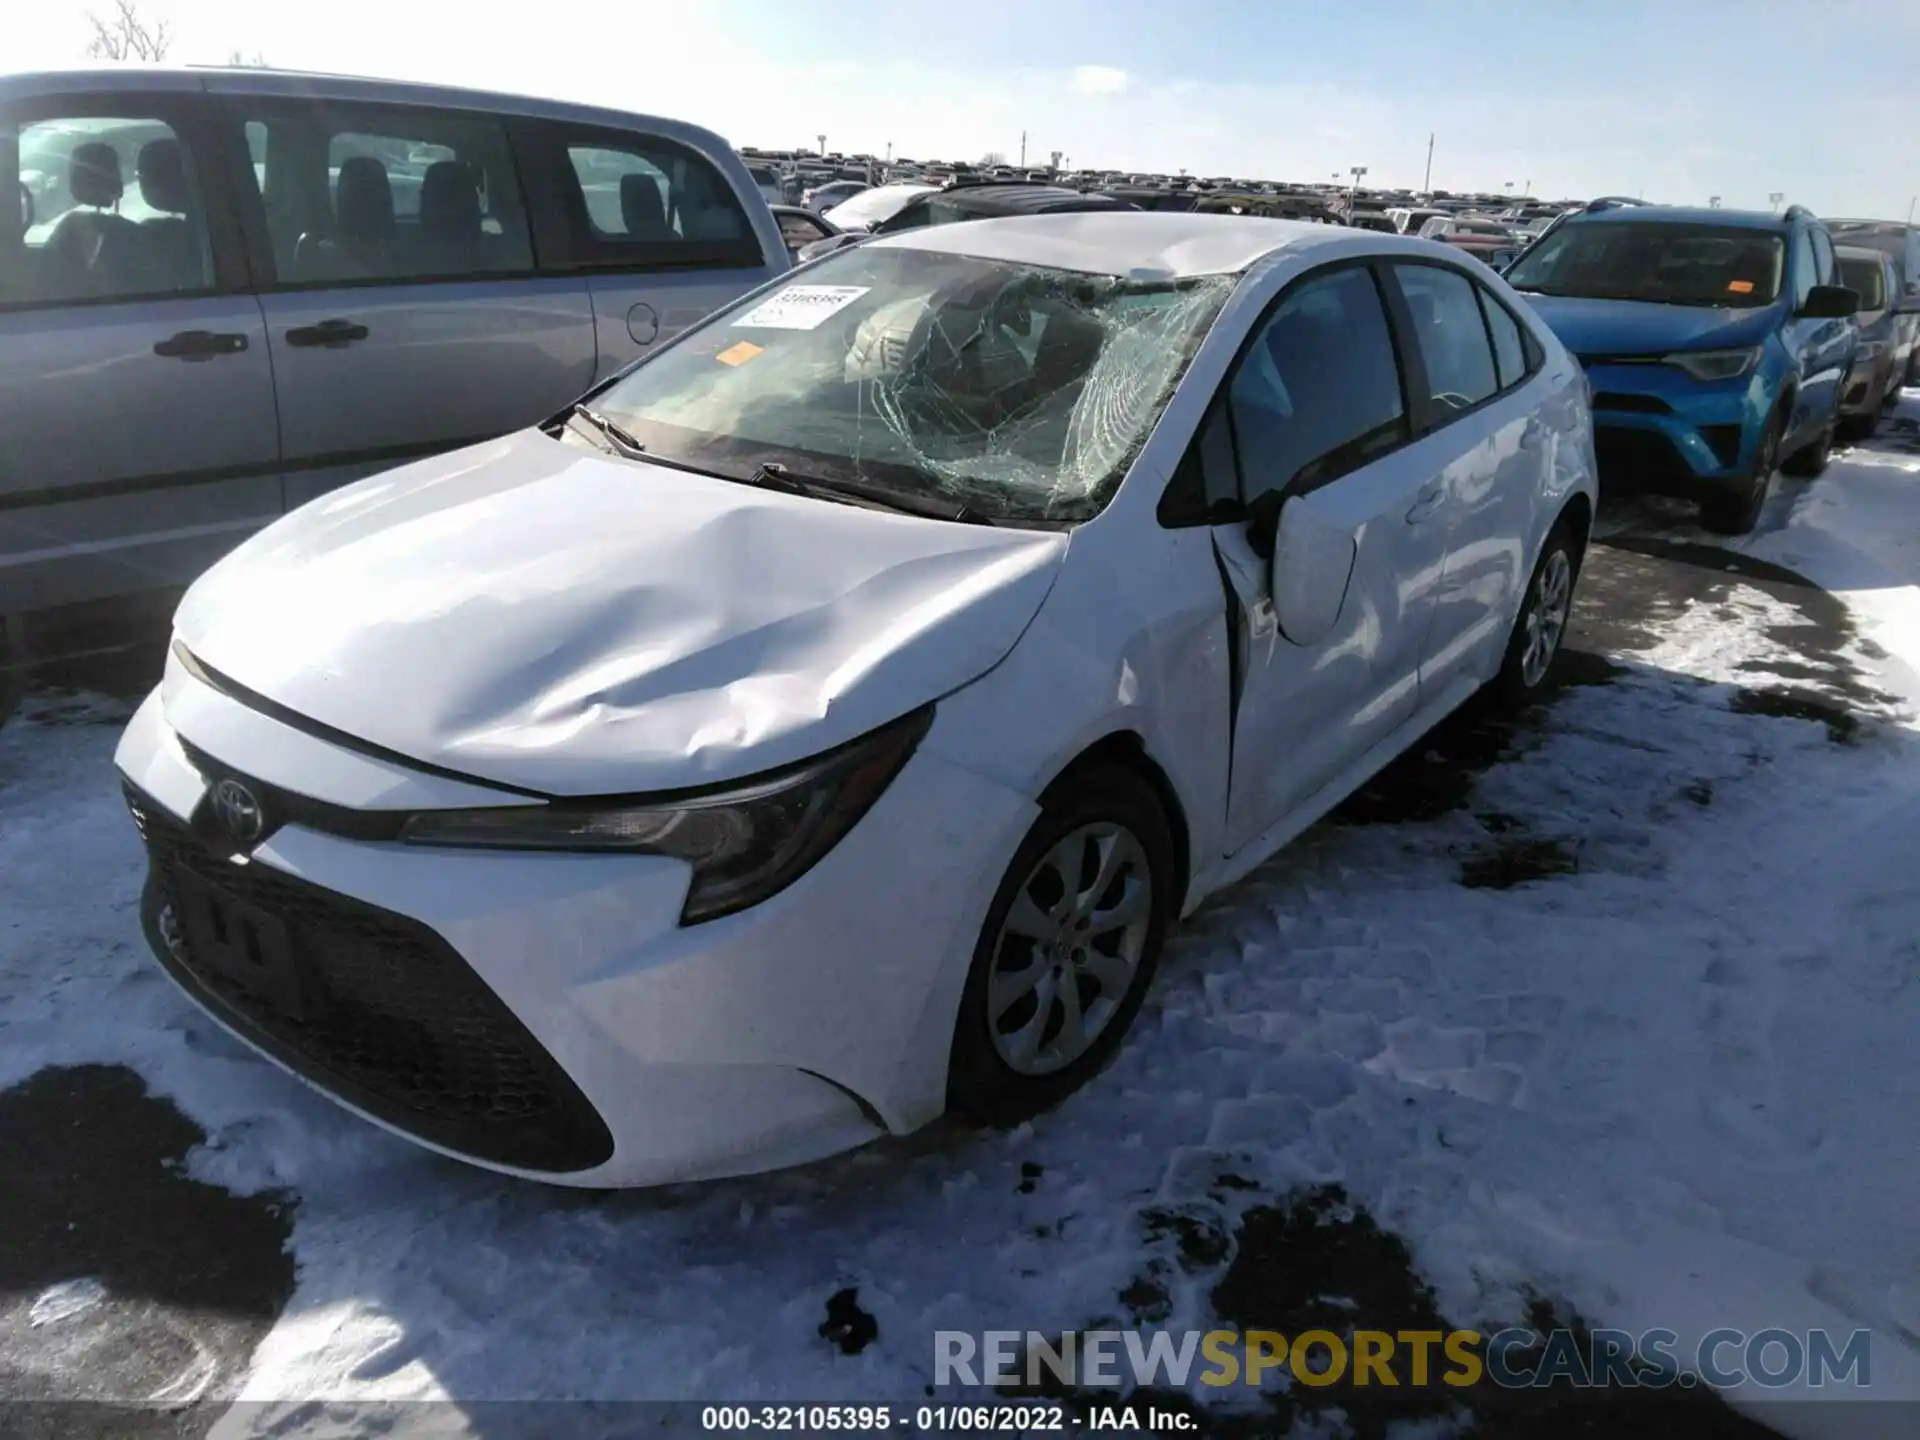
column 801, row 307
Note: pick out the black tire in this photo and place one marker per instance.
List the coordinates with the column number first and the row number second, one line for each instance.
column 1855, row 428
column 13, row 671
column 981, row 1084
column 1811, row 459
column 1738, row 512
column 1521, row 682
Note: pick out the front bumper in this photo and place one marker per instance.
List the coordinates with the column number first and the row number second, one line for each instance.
column 546, row 1015
column 1866, row 386
column 1656, row 428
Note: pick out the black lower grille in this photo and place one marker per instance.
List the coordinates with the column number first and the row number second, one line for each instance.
column 370, row 1005
column 1638, row 454
column 1724, row 441
column 1632, row 404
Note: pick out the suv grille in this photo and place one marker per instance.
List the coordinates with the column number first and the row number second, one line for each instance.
column 370, row 1005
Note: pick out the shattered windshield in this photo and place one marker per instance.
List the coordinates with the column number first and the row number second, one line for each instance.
column 1023, row 393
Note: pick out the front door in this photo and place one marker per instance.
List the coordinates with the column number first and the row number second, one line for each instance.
column 406, row 315
column 1314, row 413
column 137, row 438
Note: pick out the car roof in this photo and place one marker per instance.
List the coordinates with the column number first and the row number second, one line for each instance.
column 1020, row 199
column 1116, row 242
column 1683, row 215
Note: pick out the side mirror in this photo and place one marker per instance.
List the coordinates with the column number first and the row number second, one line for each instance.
column 1830, row 302
column 1309, row 571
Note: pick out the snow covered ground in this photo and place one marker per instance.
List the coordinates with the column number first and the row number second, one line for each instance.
column 1672, row 1082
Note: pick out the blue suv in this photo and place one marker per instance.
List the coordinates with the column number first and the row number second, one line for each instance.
column 1717, row 343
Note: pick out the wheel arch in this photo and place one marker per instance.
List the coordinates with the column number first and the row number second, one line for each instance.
column 1128, row 748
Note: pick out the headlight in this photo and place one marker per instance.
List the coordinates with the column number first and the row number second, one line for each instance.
column 1715, row 364
column 1870, row 350
column 746, row 841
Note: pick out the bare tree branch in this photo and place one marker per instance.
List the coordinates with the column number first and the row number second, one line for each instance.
column 127, row 35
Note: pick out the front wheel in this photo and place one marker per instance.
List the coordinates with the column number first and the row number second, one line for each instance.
column 1739, row 512
column 1068, row 950
column 1533, row 648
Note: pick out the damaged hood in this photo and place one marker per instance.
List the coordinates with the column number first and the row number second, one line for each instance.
column 533, row 614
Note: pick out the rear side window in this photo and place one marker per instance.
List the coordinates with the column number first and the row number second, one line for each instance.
column 357, row 194
column 110, row 209
column 1316, row 394
column 629, row 201
column 1509, row 350
column 1451, row 337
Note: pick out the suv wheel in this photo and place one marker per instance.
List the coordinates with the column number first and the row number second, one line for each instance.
column 1811, row 459
column 1068, row 949
column 1738, row 512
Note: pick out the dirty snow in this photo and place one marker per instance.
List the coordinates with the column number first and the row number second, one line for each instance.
column 1674, row 1087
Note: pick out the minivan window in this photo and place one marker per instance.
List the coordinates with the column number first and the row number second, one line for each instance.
column 1662, row 262
column 1867, row 279
column 115, row 212
column 1317, row 391
column 1450, row 334
column 356, row 193
column 650, row 195
column 1022, row 392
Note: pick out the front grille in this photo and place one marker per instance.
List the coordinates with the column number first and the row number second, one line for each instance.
column 377, row 1008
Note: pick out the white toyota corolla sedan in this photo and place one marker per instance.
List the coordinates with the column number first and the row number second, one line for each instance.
column 820, row 726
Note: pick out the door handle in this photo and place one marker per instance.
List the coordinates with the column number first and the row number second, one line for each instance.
column 333, row 334
column 199, row 345
column 1429, row 501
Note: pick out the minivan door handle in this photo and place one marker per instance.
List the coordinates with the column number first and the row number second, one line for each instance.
column 199, row 345
column 331, row 333
column 1429, row 501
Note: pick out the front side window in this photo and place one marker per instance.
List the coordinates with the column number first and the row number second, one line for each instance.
column 111, row 209
column 1317, row 392
column 798, row 230
column 355, row 194
column 1655, row 261
column 1451, row 336
column 1021, row 392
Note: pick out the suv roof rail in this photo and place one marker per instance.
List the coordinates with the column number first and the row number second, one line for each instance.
column 972, row 182
column 1794, row 212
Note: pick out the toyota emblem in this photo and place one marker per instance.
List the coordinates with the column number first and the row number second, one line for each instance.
column 239, row 811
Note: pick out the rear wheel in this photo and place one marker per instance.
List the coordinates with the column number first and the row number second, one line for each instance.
column 1068, row 949
column 1533, row 648
column 1737, row 513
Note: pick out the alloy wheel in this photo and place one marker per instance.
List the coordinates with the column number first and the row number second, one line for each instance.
column 1547, row 611
column 1069, row 949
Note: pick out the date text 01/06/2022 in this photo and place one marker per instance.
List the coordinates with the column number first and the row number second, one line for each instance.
column 1023, row 1419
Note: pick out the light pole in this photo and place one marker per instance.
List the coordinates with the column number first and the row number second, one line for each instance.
column 1775, row 197
column 1428, row 183
column 1713, row 202
column 1353, row 193
column 823, row 145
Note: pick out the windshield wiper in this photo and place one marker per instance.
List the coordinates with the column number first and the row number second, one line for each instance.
column 772, row 475
column 619, row 439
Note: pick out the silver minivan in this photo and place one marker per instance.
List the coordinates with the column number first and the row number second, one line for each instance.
column 231, row 291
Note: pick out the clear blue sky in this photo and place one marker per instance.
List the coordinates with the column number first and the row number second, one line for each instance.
column 1680, row 98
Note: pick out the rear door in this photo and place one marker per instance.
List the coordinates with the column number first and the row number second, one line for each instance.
column 657, row 229
column 1316, row 409
column 1478, row 437
column 137, row 438
column 404, row 308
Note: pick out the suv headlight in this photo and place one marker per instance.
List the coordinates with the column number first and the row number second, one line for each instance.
column 746, row 841
column 1715, row 364
column 1870, row 350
